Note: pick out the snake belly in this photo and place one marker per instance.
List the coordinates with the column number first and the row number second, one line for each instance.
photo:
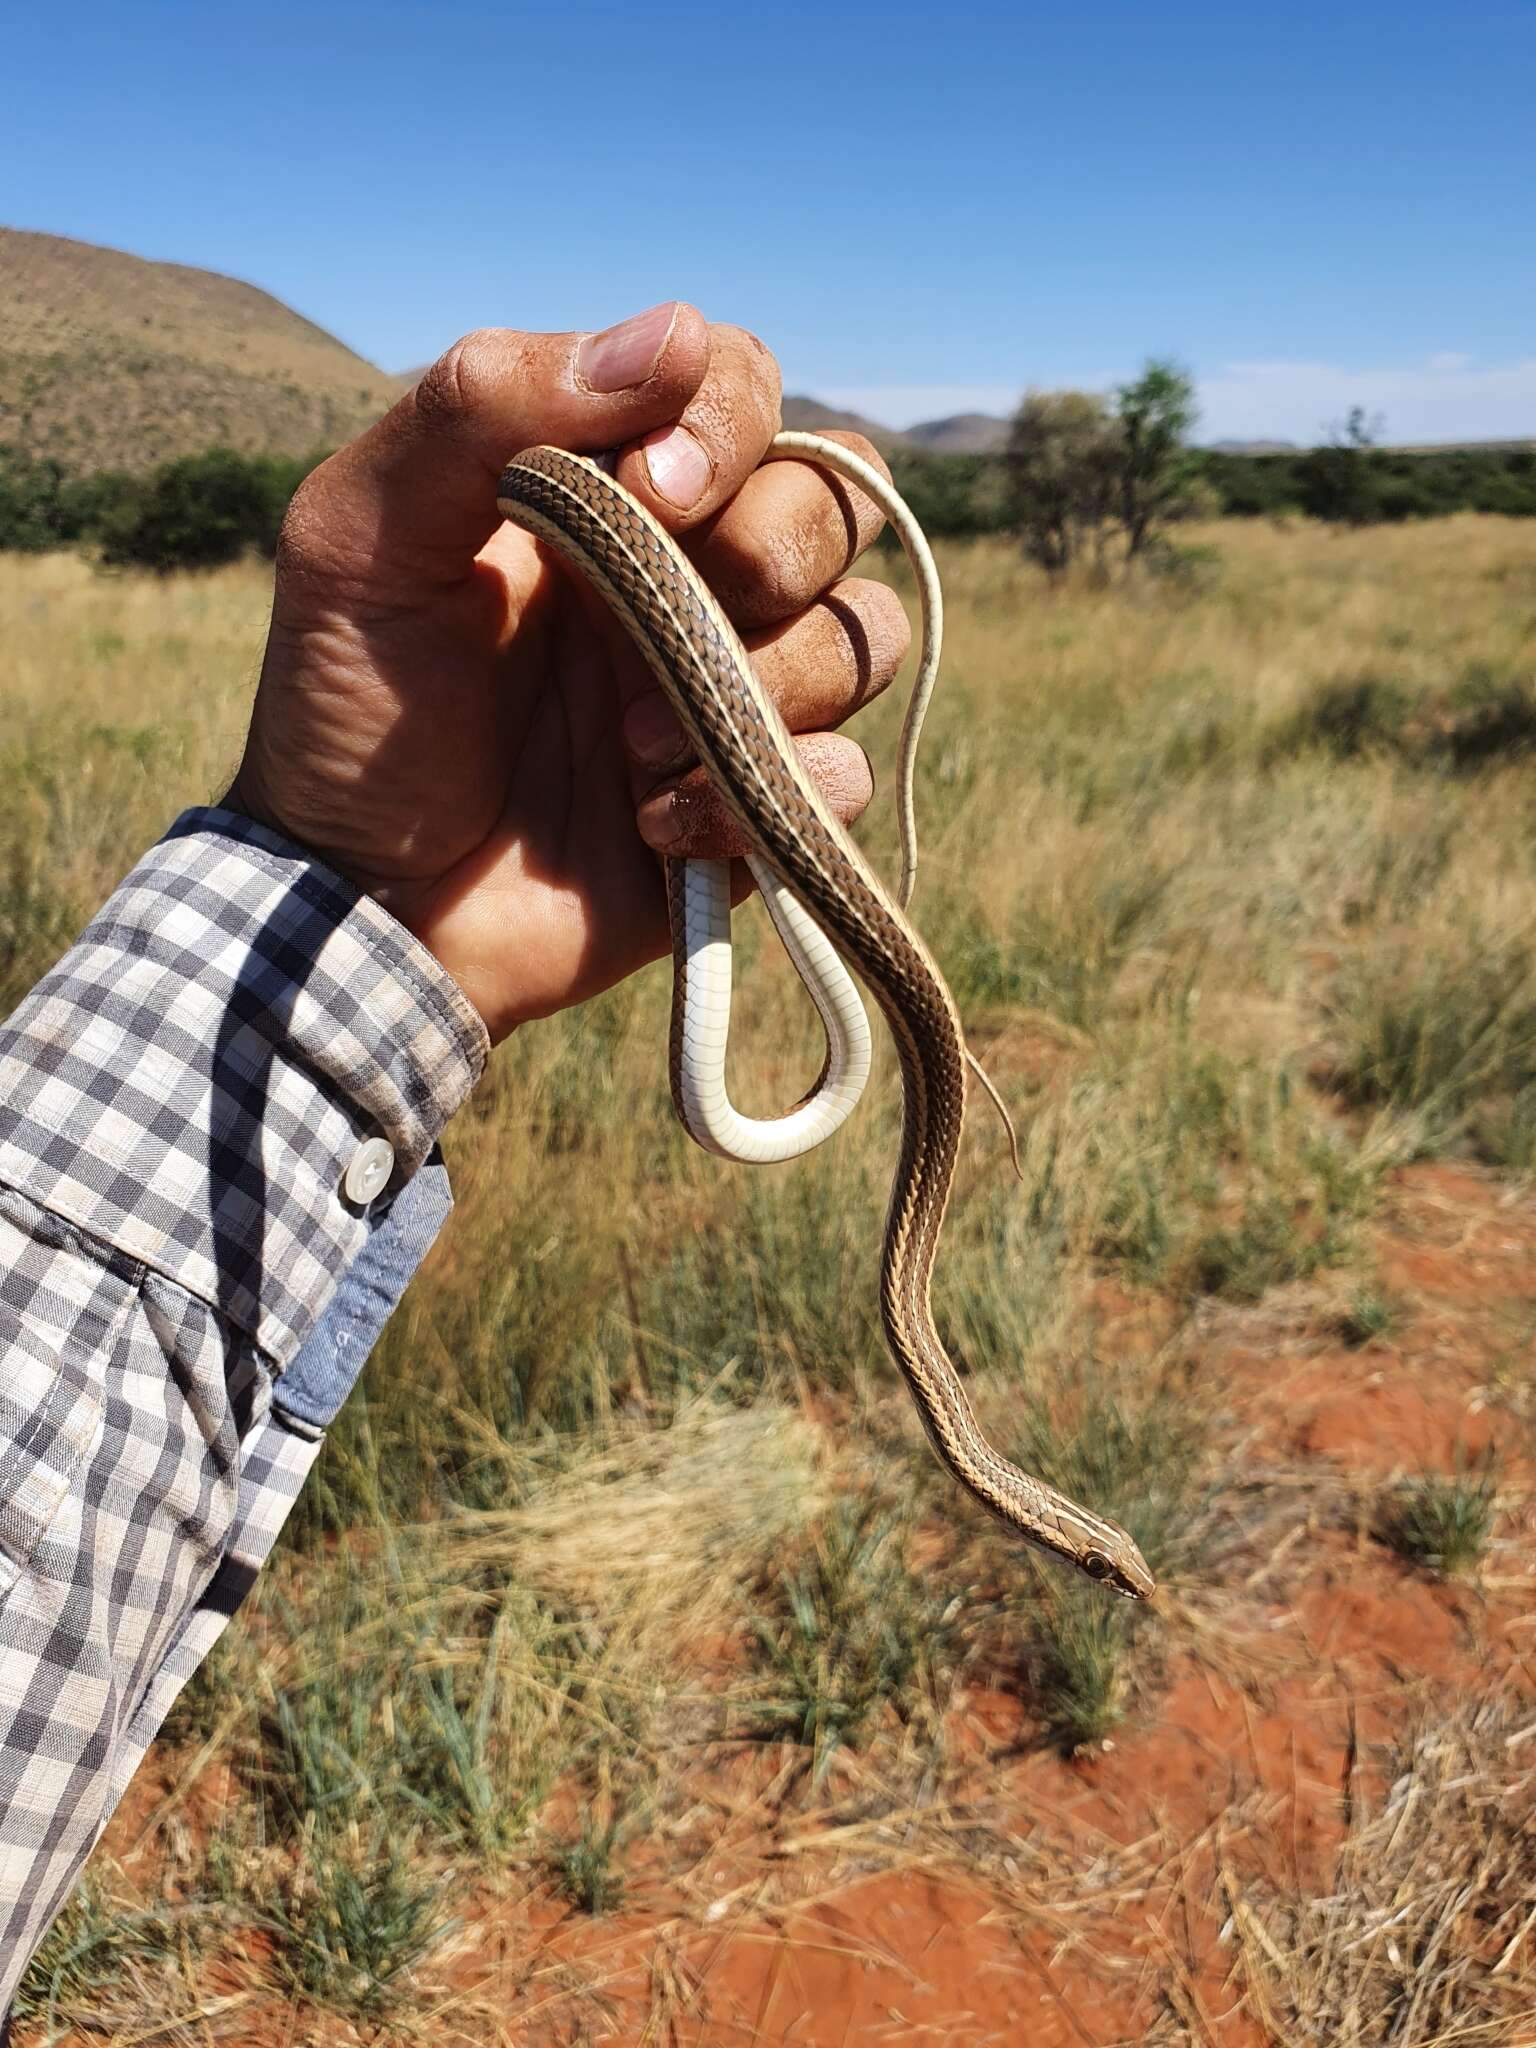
column 593, row 524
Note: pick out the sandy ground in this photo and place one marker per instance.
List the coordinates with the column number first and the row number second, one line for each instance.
column 1094, row 1900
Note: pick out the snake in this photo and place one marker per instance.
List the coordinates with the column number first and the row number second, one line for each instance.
column 828, row 906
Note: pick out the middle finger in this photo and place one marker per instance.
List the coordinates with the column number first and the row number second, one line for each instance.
column 791, row 530
column 818, row 668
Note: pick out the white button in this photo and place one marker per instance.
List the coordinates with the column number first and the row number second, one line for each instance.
column 368, row 1175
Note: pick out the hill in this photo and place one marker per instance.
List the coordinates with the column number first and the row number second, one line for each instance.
column 810, row 416
column 110, row 361
column 963, row 433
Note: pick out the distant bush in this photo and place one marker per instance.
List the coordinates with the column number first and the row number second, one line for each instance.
column 191, row 514
column 1065, row 456
column 1348, row 719
column 953, row 496
column 202, row 511
column 39, row 507
column 1084, row 470
column 1486, row 719
column 1362, row 486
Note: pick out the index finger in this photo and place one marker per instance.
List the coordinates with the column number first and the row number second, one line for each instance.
column 685, row 471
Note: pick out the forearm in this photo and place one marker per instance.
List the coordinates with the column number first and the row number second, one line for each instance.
column 190, row 1285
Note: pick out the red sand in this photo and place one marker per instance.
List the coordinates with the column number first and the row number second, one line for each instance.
column 1245, row 1762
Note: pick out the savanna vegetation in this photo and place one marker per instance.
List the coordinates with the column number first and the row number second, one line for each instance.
column 1085, row 475
column 626, row 1595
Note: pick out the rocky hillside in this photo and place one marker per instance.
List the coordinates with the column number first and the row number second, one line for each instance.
column 109, row 361
column 965, row 433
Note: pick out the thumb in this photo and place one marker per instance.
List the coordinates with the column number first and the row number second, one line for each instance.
column 415, row 496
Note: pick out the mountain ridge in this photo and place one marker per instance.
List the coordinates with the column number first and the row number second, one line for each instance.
column 114, row 361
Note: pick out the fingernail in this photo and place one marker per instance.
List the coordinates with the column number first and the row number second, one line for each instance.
column 679, row 468
column 663, row 819
column 652, row 732
column 625, row 355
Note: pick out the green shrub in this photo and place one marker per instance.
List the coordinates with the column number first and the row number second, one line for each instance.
column 1360, row 486
column 201, row 511
column 952, row 496
column 33, row 507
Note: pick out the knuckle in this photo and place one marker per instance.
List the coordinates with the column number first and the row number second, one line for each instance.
column 753, row 359
column 305, row 523
column 756, row 577
column 842, row 769
column 773, row 587
column 454, row 388
column 887, row 624
column 752, row 346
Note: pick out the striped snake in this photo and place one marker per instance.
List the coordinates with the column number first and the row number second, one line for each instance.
column 824, row 899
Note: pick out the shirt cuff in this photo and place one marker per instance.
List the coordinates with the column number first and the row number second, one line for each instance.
column 195, row 1078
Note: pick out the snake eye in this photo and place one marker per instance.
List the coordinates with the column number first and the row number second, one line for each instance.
column 1096, row 1564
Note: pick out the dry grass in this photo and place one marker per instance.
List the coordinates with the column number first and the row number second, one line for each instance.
column 581, row 1521
column 1421, row 1936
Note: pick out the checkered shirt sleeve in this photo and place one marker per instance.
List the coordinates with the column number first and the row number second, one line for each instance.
column 180, row 1100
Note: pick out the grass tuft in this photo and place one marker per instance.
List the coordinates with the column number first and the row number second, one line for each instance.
column 852, row 1631
column 1443, row 1036
column 1493, row 719
column 109, row 1962
column 1081, row 1645
column 1138, row 1462
column 356, row 1922
column 1367, row 1318
column 1442, row 1521
column 585, row 1869
column 1135, row 1458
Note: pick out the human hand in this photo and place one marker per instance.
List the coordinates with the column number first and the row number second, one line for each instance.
column 449, row 718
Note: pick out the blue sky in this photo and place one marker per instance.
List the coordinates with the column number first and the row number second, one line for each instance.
column 921, row 209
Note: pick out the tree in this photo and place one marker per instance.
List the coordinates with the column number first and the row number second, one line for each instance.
column 1156, row 466
column 1342, row 481
column 1357, row 429
column 1062, row 461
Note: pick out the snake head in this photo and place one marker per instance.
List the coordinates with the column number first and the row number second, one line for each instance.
column 1126, row 1572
